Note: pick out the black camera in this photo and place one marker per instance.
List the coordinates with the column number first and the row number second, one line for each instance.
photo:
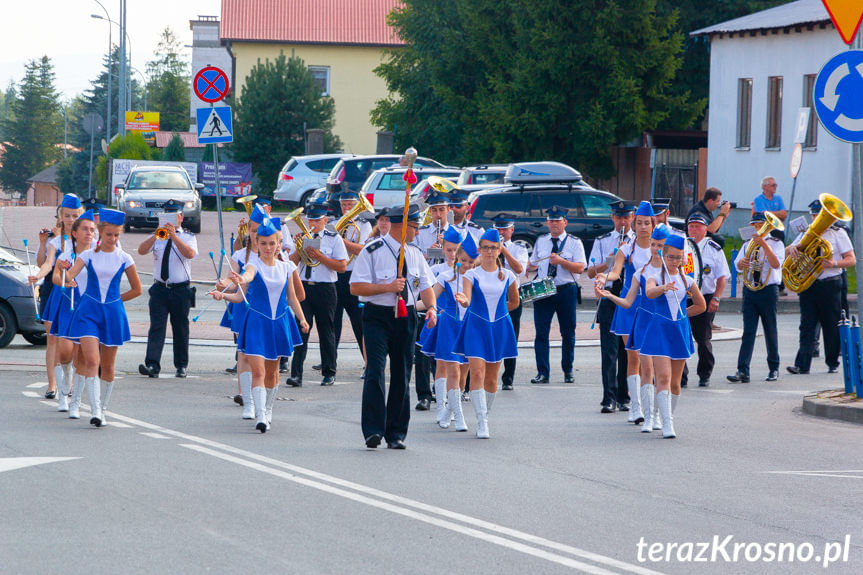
column 733, row 204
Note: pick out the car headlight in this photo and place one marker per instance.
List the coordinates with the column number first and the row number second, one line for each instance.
column 134, row 204
column 190, row 205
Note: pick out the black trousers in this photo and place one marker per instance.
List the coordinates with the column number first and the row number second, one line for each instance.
column 173, row 303
column 821, row 304
column 702, row 332
column 319, row 306
column 346, row 302
column 759, row 305
column 509, row 363
column 614, row 362
column 387, row 413
column 422, row 365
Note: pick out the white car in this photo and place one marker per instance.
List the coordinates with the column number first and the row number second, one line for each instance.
column 386, row 187
column 302, row 175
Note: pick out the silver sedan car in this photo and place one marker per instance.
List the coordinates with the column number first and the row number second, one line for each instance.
column 146, row 190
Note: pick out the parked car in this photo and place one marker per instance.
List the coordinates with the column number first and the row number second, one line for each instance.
column 147, row 188
column 349, row 174
column 17, row 312
column 485, row 174
column 302, row 175
column 386, row 187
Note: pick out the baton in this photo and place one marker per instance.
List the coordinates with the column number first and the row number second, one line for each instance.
column 238, row 285
column 216, row 269
column 72, row 307
column 596, row 313
column 63, row 284
column 35, row 303
column 206, row 307
column 677, row 299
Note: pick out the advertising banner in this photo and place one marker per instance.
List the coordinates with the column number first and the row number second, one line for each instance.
column 234, row 179
column 146, row 123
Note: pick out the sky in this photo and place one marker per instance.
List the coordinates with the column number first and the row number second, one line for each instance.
column 76, row 43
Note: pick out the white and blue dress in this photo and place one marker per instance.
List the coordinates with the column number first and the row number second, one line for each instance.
column 101, row 313
column 487, row 331
column 636, row 258
column 235, row 313
column 438, row 341
column 670, row 333
column 645, row 310
column 49, row 298
column 63, row 312
column 269, row 329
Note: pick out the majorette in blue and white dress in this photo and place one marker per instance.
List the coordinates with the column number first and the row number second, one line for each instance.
column 646, row 308
column 671, row 338
column 101, row 313
column 63, row 314
column 636, row 257
column 487, row 331
column 438, row 341
column 268, row 328
column 235, row 313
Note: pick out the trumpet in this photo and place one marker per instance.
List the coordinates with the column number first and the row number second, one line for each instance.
column 347, row 228
column 161, row 233
column 296, row 216
column 243, row 229
column 753, row 278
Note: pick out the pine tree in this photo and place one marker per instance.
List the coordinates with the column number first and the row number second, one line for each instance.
column 174, row 151
column 168, row 85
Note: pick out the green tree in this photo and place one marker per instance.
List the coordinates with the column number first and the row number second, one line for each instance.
column 132, row 146
column 168, row 84
column 174, row 151
column 34, row 128
column 278, row 98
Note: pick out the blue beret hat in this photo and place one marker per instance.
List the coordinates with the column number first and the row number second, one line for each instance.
column 71, row 201
column 113, row 217
column 660, row 232
column 258, row 214
column 469, row 247
column 675, row 241
column 491, row 235
column 266, row 228
column 88, row 215
column 645, row 209
column 451, row 235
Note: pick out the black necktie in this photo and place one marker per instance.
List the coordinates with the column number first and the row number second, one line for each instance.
column 308, row 268
column 165, row 257
column 555, row 248
column 405, row 275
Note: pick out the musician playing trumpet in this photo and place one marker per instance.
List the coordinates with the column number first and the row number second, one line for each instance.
column 431, row 234
column 821, row 302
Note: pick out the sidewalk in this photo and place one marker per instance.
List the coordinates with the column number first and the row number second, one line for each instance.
column 834, row 404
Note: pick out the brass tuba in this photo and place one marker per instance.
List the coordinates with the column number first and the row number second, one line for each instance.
column 243, row 230
column 753, row 277
column 347, row 228
column 799, row 273
column 296, row 216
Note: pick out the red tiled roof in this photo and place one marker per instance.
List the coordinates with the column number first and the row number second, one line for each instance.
column 341, row 22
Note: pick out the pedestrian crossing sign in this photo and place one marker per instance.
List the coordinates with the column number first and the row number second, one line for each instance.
column 214, row 125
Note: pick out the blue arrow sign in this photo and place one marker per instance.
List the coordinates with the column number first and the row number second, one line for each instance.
column 838, row 96
column 214, row 125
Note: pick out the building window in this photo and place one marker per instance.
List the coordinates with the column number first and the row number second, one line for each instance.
column 774, row 112
column 808, row 94
column 322, row 78
column 744, row 112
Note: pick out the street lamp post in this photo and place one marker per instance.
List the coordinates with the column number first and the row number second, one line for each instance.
column 110, row 68
column 137, row 71
column 125, row 91
column 65, row 124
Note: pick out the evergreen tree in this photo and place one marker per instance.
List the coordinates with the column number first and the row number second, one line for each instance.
column 278, row 98
column 34, row 128
column 168, row 85
column 174, row 151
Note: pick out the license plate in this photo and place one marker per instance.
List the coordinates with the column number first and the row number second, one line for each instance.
column 155, row 213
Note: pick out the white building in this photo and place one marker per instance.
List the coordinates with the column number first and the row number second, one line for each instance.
column 207, row 50
column 762, row 71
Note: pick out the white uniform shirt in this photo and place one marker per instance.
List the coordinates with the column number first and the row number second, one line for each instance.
column 179, row 268
column 427, row 235
column 332, row 246
column 841, row 244
column 440, row 268
column 713, row 265
column 468, row 227
column 519, row 252
column 605, row 247
column 378, row 263
column 773, row 276
column 571, row 249
column 365, row 231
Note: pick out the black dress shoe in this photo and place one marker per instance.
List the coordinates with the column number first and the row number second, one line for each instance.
column 607, row 409
column 423, row 404
column 328, row 380
column 148, row 370
column 567, row 378
column 506, row 387
column 834, row 369
column 539, row 379
column 231, row 370
column 704, row 382
column 796, row 370
column 294, row 382
column 238, row 399
column 181, row 372
column 773, row 375
column 363, row 374
column 623, row 406
column 372, row 441
column 738, row 377
column 50, row 394
column 396, row 444
column 318, row 366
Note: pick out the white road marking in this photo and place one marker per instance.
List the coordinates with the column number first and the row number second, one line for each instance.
column 119, row 425
column 153, row 434
column 50, row 402
column 720, row 391
column 10, row 463
column 37, row 385
column 850, row 474
column 31, row 394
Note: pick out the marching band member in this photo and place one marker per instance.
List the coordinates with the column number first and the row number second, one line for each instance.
column 269, row 330
column 376, row 281
column 432, row 235
column 662, row 209
column 559, row 256
column 346, row 301
column 82, row 238
column 68, row 212
column 171, row 295
column 461, row 219
column 821, row 302
column 514, row 257
column 487, row 336
column 632, row 256
column 100, row 323
column 438, row 341
column 451, row 242
column 761, row 303
column 605, row 247
column 319, row 283
column 714, row 274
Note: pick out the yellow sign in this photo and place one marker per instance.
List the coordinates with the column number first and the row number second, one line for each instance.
column 147, row 123
column 846, row 16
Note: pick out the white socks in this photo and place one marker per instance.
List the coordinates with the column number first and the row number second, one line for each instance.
column 477, row 397
column 77, row 392
column 633, row 384
column 647, row 393
column 246, row 393
column 95, row 390
column 453, row 397
column 259, row 396
column 664, row 400
column 440, row 398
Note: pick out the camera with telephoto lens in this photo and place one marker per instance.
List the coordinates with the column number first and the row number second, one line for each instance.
column 732, row 204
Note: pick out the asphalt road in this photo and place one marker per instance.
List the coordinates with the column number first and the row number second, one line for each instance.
column 179, row 483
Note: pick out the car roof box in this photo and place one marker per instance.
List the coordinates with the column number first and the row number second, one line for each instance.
column 541, row 173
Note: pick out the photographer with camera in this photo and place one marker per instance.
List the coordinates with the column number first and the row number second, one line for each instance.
column 713, row 199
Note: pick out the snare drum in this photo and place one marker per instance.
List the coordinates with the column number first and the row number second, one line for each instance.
column 536, row 289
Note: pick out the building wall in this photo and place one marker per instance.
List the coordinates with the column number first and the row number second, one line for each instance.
column 43, row 194
column 738, row 173
column 353, row 84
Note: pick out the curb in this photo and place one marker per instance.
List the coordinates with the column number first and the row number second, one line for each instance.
column 834, row 404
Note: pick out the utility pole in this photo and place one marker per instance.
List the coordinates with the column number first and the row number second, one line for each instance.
column 121, row 83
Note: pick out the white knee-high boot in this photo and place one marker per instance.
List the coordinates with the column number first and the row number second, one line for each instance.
column 246, row 393
column 268, row 408
column 664, row 399
column 674, row 399
column 489, row 399
column 63, row 385
column 647, row 397
column 453, row 397
column 440, row 397
column 259, row 396
column 633, row 383
column 109, row 389
column 94, row 389
column 77, row 392
column 477, row 397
